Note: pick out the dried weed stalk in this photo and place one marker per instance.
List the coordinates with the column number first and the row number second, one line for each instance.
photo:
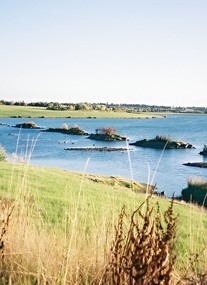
column 145, row 255
column 6, row 209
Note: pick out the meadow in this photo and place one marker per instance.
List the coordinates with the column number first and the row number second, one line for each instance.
column 35, row 112
column 58, row 227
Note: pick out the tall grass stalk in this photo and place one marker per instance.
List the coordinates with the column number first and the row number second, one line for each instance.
column 157, row 165
column 74, row 227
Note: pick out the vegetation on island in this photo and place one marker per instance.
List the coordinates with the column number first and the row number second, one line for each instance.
column 107, row 134
column 27, row 125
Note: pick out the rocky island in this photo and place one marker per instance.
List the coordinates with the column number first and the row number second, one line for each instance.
column 28, row 125
column 162, row 142
column 74, row 130
column 106, row 134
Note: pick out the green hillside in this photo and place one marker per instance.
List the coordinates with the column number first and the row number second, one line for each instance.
column 58, row 222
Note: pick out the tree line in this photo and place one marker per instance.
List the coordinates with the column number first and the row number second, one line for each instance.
column 106, row 107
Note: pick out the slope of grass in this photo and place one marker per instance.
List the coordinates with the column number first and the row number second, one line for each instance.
column 34, row 112
column 62, row 224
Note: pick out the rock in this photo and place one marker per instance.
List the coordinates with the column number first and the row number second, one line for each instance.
column 204, row 151
column 98, row 148
column 196, row 164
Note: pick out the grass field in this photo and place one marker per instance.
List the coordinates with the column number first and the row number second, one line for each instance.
column 34, row 112
column 57, row 226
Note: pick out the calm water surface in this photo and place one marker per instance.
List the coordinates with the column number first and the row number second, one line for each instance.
column 142, row 164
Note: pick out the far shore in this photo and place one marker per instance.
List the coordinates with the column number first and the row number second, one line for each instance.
column 41, row 112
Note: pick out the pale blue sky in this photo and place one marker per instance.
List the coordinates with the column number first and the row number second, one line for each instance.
column 134, row 51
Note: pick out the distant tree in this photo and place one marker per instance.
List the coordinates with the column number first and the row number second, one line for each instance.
column 3, row 102
column 38, row 104
column 54, row 106
column 70, row 107
column 78, row 107
column 20, row 103
column 82, row 106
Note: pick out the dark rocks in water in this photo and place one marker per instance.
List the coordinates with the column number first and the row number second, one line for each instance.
column 98, row 148
column 196, row 164
column 27, row 125
column 107, row 137
column 70, row 131
column 162, row 143
column 204, row 151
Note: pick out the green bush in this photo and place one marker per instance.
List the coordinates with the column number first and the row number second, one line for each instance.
column 196, row 192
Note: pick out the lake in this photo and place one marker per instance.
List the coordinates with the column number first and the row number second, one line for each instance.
column 165, row 168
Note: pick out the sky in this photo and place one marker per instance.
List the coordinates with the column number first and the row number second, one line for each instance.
column 139, row 52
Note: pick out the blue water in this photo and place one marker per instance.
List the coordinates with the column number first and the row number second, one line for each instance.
column 142, row 164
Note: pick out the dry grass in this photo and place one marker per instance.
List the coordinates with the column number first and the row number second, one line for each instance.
column 144, row 254
column 33, row 252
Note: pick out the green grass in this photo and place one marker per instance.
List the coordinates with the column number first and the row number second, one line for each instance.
column 76, row 213
column 54, row 186
column 34, row 112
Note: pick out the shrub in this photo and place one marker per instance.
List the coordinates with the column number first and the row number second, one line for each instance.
column 196, row 192
column 145, row 254
column 107, row 131
column 163, row 138
column 75, row 126
column 65, row 127
column 26, row 125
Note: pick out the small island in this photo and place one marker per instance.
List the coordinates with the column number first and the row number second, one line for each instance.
column 98, row 148
column 74, row 130
column 162, row 142
column 28, row 125
column 106, row 134
column 196, row 164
